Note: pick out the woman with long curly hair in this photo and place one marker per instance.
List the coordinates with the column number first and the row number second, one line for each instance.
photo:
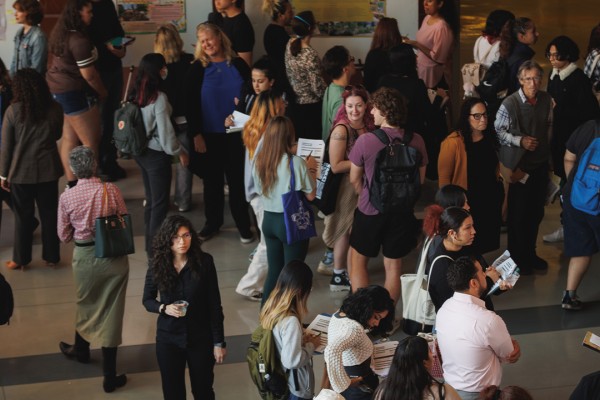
column 272, row 176
column 268, row 104
column 189, row 332
column 468, row 158
column 74, row 81
column 214, row 80
column 352, row 120
column 349, row 349
column 283, row 313
column 30, row 165
column 410, row 378
column 155, row 162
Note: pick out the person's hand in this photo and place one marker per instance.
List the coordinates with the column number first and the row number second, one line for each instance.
column 356, row 381
column 117, row 51
column 184, row 158
column 492, row 274
column 219, row 353
column 505, row 285
column 529, row 143
column 229, row 121
column 199, row 144
column 311, row 162
column 441, row 92
column 514, row 356
column 174, row 310
column 408, row 41
column 312, row 338
column 5, row 185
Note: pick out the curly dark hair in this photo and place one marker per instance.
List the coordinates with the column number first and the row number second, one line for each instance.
column 391, row 104
column 361, row 305
column 451, row 196
column 408, row 378
column 496, row 21
column 33, row 8
column 566, row 48
column 31, row 90
column 69, row 20
column 165, row 275
column 464, row 124
column 148, row 80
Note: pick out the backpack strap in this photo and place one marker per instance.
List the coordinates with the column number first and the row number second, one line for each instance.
column 382, row 136
column 407, row 137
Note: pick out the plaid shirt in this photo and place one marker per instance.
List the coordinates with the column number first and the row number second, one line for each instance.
column 80, row 205
column 594, row 74
column 503, row 124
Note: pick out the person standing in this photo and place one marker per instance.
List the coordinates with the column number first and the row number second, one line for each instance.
column 516, row 39
column 31, row 46
column 395, row 232
column 524, row 127
column 190, row 333
column 378, row 63
column 275, row 38
column 473, row 340
column 30, row 165
column 232, row 19
column 100, row 283
column 105, row 26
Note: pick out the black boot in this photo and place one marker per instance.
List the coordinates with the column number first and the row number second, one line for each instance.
column 80, row 350
column 112, row 381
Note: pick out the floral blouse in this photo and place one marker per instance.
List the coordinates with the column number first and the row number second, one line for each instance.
column 305, row 74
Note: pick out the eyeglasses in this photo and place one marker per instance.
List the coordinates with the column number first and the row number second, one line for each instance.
column 185, row 237
column 478, row 116
column 529, row 79
column 351, row 60
column 556, row 56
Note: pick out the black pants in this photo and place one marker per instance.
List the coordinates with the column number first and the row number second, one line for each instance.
column 157, row 174
column 24, row 196
column 525, row 213
column 172, row 361
column 225, row 157
column 113, row 82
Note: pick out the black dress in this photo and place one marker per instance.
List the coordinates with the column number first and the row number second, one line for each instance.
column 485, row 194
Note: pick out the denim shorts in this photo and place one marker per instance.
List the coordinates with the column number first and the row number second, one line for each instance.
column 75, row 102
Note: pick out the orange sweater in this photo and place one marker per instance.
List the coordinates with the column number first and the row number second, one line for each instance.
column 452, row 161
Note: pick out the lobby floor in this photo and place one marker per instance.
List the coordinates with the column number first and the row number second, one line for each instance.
column 31, row 366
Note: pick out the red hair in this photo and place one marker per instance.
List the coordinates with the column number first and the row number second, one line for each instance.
column 431, row 220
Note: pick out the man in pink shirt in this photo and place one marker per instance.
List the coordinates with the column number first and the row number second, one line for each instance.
column 473, row 340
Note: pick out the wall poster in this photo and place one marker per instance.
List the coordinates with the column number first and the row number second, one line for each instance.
column 145, row 16
column 344, row 17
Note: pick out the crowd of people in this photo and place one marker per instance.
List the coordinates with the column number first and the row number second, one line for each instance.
column 492, row 170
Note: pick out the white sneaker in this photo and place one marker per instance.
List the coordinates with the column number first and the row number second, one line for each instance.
column 555, row 237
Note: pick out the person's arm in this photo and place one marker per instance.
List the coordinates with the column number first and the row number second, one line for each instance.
column 337, row 150
column 338, row 377
column 64, row 229
column 438, row 284
column 150, row 293
column 39, row 55
column 247, row 57
column 92, row 77
column 166, row 133
column 356, row 177
column 308, row 175
column 7, row 148
column 500, row 342
column 569, row 162
column 215, row 309
column 446, row 160
column 502, row 126
column 115, row 192
column 294, row 354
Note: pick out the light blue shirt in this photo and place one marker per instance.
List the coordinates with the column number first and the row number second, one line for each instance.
column 31, row 51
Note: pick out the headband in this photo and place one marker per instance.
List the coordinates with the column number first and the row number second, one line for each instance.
column 302, row 19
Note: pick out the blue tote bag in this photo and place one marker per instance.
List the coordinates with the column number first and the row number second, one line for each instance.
column 297, row 212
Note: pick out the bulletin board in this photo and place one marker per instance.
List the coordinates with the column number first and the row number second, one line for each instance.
column 145, row 16
column 344, row 17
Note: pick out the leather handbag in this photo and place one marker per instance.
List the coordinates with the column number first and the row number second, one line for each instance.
column 297, row 212
column 328, row 185
column 114, row 233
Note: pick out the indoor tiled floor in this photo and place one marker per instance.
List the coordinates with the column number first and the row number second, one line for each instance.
column 31, row 367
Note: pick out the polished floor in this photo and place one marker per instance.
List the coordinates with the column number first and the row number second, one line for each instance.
column 31, row 366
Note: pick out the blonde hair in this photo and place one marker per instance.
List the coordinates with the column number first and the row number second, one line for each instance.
column 274, row 8
column 278, row 140
column 199, row 53
column 265, row 107
column 290, row 295
column 168, row 43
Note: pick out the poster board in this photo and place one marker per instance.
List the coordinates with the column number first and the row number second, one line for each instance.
column 145, row 16
column 344, row 17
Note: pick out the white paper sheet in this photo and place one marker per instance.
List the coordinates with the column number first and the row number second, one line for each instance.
column 314, row 147
column 320, row 326
column 239, row 120
column 383, row 354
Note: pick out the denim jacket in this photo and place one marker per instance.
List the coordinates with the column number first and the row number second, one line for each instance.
column 31, row 51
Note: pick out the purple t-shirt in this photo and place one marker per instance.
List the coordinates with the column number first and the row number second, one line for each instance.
column 364, row 154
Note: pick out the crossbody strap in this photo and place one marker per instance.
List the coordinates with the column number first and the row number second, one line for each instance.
column 292, row 177
column 431, row 269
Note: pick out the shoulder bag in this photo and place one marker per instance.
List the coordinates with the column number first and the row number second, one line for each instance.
column 114, row 233
column 328, row 183
column 297, row 212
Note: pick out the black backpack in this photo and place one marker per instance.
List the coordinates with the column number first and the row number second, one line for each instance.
column 7, row 302
column 495, row 83
column 129, row 132
column 396, row 183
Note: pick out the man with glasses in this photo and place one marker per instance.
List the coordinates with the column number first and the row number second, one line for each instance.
column 524, row 126
column 473, row 340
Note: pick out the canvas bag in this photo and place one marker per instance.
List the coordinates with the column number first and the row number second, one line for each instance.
column 114, row 233
column 472, row 75
column 297, row 212
column 418, row 311
column 328, row 184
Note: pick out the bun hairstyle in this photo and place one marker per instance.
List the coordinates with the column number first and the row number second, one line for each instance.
column 274, row 8
column 303, row 24
column 496, row 21
column 509, row 34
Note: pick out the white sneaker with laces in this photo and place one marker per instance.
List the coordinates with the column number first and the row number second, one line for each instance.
column 555, row 237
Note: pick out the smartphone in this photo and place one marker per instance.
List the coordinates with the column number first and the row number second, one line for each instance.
column 121, row 41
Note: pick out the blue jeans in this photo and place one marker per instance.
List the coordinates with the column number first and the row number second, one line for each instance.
column 156, row 172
